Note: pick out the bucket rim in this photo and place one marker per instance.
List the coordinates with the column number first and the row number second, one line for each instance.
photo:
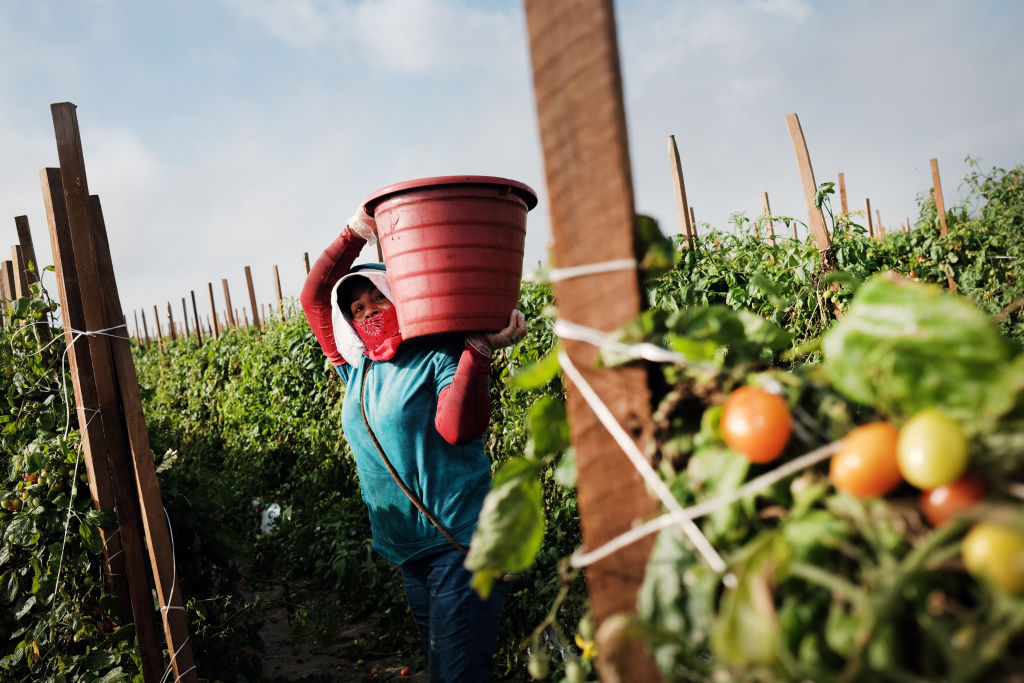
column 524, row 191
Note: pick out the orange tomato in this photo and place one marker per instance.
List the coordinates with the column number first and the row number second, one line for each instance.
column 865, row 466
column 949, row 500
column 756, row 423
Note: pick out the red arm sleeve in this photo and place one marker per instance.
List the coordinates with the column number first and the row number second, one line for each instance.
column 464, row 406
column 316, row 290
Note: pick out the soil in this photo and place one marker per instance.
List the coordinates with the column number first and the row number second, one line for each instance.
column 290, row 654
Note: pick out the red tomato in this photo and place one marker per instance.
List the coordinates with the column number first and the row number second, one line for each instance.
column 756, row 423
column 406, row 671
column 949, row 500
column 865, row 465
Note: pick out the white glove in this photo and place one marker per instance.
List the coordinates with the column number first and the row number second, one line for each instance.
column 485, row 343
column 364, row 225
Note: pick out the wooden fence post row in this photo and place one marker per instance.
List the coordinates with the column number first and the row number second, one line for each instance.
column 116, row 448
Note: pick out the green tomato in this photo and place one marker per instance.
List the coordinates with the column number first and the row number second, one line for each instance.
column 995, row 551
column 574, row 671
column 932, row 450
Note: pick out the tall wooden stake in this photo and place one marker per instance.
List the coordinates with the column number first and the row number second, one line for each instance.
column 252, row 300
column 28, row 249
column 227, row 302
column 305, row 262
column 940, row 209
column 277, row 290
column 121, row 405
column 145, row 328
column 170, row 322
column 682, row 208
column 7, row 281
column 842, row 193
column 20, row 279
column 768, row 217
column 583, row 134
column 867, row 214
column 816, row 220
column 881, row 228
column 213, row 311
column 195, row 316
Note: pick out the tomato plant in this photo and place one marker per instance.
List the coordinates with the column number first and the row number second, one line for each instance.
column 756, row 423
column 996, row 552
column 865, row 466
column 946, row 502
column 932, row 450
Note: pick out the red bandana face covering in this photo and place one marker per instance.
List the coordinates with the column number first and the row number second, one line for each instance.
column 380, row 334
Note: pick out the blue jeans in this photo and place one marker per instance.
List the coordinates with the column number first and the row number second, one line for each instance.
column 459, row 631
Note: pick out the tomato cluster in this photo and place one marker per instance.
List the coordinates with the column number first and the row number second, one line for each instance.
column 930, row 452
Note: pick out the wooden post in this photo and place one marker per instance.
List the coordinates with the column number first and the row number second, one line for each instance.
column 682, row 208
column 18, row 265
column 170, row 322
column 878, row 218
column 582, row 121
column 768, row 217
column 142, row 500
column 195, row 316
column 213, row 311
column 28, row 249
column 145, row 327
column 277, row 290
column 867, row 213
column 83, row 383
column 940, row 209
column 7, row 281
column 138, row 336
column 159, row 329
column 244, row 318
column 305, row 262
column 816, row 220
column 227, row 302
column 906, row 228
column 940, row 204
column 842, row 193
column 693, row 223
column 252, row 300
column 795, row 236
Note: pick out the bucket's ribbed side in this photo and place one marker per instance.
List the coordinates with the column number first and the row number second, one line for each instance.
column 455, row 257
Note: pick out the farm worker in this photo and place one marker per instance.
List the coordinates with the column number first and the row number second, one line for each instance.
column 426, row 406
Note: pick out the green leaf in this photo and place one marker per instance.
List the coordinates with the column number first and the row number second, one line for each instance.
column 549, row 429
column 904, row 346
column 566, row 471
column 659, row 254
column 537, row 374
column 511, row 525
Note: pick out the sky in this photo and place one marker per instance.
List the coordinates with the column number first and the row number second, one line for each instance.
column 221, row 134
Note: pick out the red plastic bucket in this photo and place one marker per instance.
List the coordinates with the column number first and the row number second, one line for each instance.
column 453, row 246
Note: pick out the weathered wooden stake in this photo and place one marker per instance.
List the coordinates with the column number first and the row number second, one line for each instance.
column 145, row 328
column 682, row 207
column 97, row 467
column 816, row 220
column 277, row 290
column 867, row 214
column 195, row 316
column 693, row 223
column 170, row 322
column 907, row 225
column 28, row 249
column 881, row 228
column 252, row 300
column 940, row 204
column 582, row 121
column 18, row 265
column 227, row 302
column 305, row 262
column 213, row 311
column 138, row 335
column 768, row 217
column 795, row 236
column 842, row 193
column 7, row 281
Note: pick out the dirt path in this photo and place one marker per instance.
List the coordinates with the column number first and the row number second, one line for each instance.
column 291, row 655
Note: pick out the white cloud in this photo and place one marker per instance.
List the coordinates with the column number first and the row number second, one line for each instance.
column 300, row 23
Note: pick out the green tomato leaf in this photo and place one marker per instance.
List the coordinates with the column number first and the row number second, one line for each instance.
column 537, row 374
column 549, row 429
column 511, row 525
column 904, row 346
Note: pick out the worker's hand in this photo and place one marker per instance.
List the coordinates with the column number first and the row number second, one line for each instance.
column 364, row 225
column 485, row 343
